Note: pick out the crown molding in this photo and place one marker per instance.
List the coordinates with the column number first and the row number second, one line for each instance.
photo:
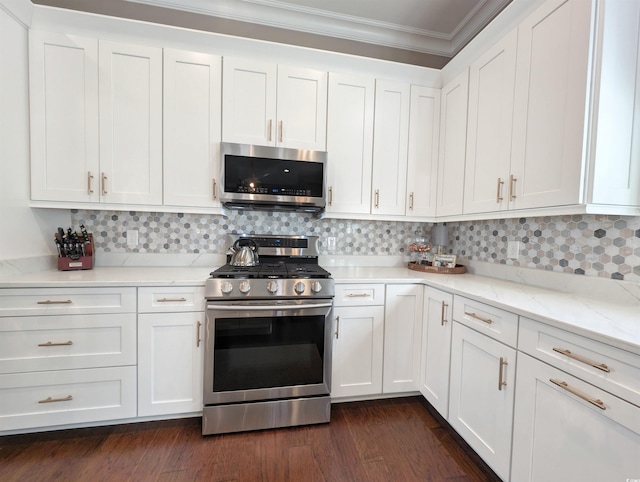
column 20, row 10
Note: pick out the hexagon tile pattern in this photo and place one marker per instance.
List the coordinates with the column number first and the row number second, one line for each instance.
column 592, row 245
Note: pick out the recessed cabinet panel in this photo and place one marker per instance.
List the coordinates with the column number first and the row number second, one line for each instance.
column 64, row 117
column 192, row 132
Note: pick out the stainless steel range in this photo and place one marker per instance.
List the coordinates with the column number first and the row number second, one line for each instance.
column 268, row 339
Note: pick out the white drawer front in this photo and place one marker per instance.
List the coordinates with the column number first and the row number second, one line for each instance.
column 171, row 299
column 44, row 399
column 40, row 343
column 494, row 322
column 58, row 301
column 610, row 368
column 359, row 294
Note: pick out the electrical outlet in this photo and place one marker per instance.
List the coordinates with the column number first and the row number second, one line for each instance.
column 513, row 249
column 132, row 237
column 331, row 244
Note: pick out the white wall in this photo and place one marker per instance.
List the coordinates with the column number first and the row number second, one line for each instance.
column 25, row 232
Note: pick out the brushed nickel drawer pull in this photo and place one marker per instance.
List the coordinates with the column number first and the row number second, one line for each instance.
column 62, row 343
column 171, row 300
column 215, row 190
column 565, row 386
column 478, row 317
column 512, row 187
column 377, row 199
column 68, row 398
column 198, row 339
column 337, row 333
column 358, row 295
column 499, row 193
column 501, row 382
column 270, row 129
column 281, row 131
column 411, row 202
column 443, row 320
column 582, row 359
column 54, row 302
column 104, row 183
column 89, row 182
column 330, row 195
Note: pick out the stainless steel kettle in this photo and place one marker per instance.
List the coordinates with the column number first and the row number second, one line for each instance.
column 245, row 253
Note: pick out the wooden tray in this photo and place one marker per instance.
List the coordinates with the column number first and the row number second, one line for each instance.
column 427, row 268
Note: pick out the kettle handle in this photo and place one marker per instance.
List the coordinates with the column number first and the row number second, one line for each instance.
column 245, row 242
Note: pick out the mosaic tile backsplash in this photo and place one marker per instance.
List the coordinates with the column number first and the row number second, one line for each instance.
column 592, row 245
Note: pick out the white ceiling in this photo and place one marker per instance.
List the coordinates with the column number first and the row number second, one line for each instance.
column 437, row 27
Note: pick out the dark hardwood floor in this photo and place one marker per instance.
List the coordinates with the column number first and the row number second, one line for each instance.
column 384, row 440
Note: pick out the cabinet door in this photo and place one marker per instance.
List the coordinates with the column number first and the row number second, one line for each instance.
column 350, row 143
column 560, row 435
column 422, row 168
column 390, row 147
column 249, row 102
column 192, row 131
column 402, row 338
column 436, row 348
column 482, row 395
column 549, row 104
column 302, row 108
column 130, row 123
column 453, row 135
column 357, row 351
column 170, row 360
column 491, row 84
column 64, row 117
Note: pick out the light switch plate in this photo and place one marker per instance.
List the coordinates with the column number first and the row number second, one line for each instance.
column 132, row 237
column 513, row 249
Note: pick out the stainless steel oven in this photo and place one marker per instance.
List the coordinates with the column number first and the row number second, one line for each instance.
column 268, row 345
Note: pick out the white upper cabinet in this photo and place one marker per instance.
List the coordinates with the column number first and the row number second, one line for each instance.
column 350, row 143
column 488, row 158
column 130, row 95
column 550, row 104
column 192, row 131
column 270, row 105
column 453, row 134
column 390, row 147
column 65, row 161
column 422, row 167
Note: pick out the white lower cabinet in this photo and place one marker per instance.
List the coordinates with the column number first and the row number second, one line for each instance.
column 482, row 395
column 170, row 353
column 402, row 338
column 357, row 351
column 436, row 348
column 566, row 429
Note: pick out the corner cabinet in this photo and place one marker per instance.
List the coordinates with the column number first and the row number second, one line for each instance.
column 274, row 105
column 192, row 111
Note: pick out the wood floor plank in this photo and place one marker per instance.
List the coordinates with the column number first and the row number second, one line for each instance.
column 381, row 440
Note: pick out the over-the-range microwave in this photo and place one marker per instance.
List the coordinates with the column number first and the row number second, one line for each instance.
column 272, row 178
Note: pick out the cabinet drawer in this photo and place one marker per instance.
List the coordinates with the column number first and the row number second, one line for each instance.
column 41, row 343
column 494, row 322
column 610, row 368
column 44, row 399
column 171, row 299
column 359, row 294
column 59, row 301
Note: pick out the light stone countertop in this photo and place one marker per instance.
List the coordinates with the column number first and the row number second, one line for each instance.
column 613, row 322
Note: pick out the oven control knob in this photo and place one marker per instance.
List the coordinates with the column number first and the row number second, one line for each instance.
column 299, row 287
column 244, row 287
column 226, row 287
column 272, row 287
column 316, row 286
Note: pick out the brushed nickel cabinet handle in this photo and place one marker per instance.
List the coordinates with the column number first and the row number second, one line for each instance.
column 565, row 386
column 377, row 199
column 270, row 129
column 337, row 333
column 55, row 302
column 171, row 300
column 281, row 131
column 89, row 182
column 198, row 339
column 330, row 195
column 512, row 187
column 104, row 183
column 478, row 317
column 443, row 319
column 499, row 193
column 501, row 382
column 358, row 295
column 68, row 398
column 581, row 359
column 411, row 202
column 50, row 343
column 215, row 189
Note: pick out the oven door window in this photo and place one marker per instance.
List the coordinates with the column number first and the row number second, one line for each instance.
column 252, row 353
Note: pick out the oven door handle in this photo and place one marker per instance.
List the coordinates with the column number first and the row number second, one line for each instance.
column 276, row 307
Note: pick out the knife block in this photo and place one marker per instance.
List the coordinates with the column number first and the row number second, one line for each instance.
column 84, row 262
